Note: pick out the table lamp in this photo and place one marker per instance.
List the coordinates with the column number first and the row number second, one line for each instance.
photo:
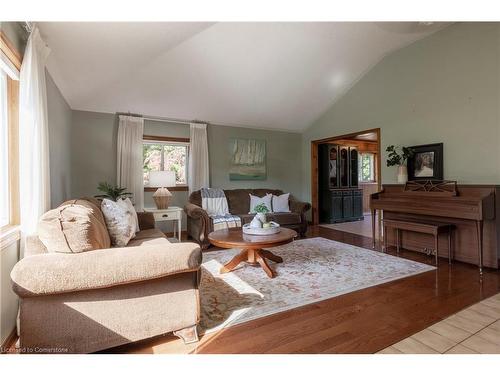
column 162, row 179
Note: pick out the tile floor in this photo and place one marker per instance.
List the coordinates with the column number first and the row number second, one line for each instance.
column 471, row 331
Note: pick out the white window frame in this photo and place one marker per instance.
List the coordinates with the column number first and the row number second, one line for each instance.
column 170, row 143
column 373, row 168
column 10, row 64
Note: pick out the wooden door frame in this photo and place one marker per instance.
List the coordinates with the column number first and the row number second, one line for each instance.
column 314, row 166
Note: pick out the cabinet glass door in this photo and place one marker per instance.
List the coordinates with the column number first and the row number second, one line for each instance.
column 344, row 167
column 333, row 167
column 354, row 167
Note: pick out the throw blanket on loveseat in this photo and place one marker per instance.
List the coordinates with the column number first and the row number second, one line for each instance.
column 225, row 221
column 215, row 203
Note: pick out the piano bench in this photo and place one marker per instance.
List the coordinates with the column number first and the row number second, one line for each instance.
column 426, row 227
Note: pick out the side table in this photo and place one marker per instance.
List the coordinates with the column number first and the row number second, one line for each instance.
column 170, row 214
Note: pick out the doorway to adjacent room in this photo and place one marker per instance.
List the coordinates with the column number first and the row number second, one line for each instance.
column 345, row 171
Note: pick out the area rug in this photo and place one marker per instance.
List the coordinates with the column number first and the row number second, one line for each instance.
column 313, row 269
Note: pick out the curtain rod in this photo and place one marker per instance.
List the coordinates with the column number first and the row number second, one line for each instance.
column 28, row 26
column 169, row 120
column 162, row 119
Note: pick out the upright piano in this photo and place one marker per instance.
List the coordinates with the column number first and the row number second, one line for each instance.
column 470, row 209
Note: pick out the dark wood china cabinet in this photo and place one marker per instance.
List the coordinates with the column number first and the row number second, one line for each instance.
column 340, row 198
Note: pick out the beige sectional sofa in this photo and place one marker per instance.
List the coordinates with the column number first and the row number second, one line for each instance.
column 89, row 301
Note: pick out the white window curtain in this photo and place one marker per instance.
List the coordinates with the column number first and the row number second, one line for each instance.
column 198, row 174
column 34, row 173
column 129, row 158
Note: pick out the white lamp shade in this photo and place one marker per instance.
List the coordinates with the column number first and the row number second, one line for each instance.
column 161, row 178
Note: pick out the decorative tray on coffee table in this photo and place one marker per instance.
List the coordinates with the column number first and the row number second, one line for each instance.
column 272, row 229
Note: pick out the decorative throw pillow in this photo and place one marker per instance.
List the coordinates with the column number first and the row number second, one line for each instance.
column 120, row 222
column 255, row 201
column 127, row 204
column 73, row 227
column 280, row 203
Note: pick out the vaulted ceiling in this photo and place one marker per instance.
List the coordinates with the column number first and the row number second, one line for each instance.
column 264, row 75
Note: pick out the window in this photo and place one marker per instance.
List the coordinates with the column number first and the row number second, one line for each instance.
column 165, row 155
column 367, row 167
column 10, row 64
column 4, row 153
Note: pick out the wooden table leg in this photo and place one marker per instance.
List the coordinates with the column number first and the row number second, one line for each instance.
column 253, row 256
column 384, row 248
column 251, row 259
column 262, row 261
column 267, row 254
column 374, row 214
column 398, row 236
column 436, row 247
column 479, row 228
column 229, row 266
column 179, row 228
column 449, row 245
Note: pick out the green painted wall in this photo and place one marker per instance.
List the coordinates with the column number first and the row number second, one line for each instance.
column 444, row 88
column 16, row 35
column 59, row 116
column 283, row 158
column 93, row 145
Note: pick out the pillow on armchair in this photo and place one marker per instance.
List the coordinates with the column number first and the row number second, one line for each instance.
column 120, row 222
column 73, row 227
column 128, row 206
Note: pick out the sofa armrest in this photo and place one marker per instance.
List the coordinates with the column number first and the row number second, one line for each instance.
column 195, row 212
column 299, row 207
column 198, row 224
column 146, row 220
column 57, row 273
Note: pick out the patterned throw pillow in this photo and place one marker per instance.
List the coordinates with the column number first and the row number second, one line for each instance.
column 280, row 203
column 255, row 201
column 127, row 205
column 120, row 222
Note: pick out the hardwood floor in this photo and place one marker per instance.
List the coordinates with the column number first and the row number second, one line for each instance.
column 365, row 321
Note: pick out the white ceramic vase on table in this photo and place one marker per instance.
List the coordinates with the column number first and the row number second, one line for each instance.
column 255, row 223
column 262, row 217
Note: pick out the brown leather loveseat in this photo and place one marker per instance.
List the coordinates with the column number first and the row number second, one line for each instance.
column 199, row 224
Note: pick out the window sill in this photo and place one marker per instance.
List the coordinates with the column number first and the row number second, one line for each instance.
column 173, row 188
column 9, row 234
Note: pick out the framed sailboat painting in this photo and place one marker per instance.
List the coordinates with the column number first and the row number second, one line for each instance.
column 248, row 159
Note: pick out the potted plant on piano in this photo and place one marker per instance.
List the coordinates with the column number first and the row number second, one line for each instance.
column 398, row 155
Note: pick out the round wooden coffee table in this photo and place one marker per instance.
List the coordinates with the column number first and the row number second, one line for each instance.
column 252, row 247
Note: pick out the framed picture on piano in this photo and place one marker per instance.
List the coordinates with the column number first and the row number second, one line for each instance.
column 426, row 162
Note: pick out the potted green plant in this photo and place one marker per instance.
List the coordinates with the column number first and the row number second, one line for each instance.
column 260, row 218
column 399, row 155
column 111, row 192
